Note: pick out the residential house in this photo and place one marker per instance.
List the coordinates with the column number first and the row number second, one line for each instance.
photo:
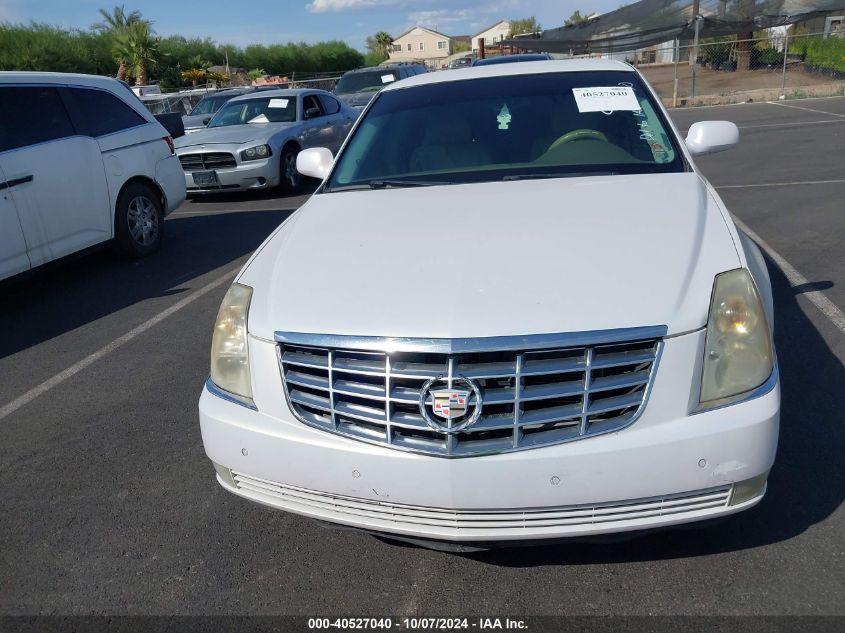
column 491, row 36
column 826, row 24
column 422, row 45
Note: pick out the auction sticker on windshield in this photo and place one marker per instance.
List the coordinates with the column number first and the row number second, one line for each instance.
column 609, row 99
column 278, row 103
column 386, row 79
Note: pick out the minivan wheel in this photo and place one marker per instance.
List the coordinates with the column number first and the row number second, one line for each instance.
column 139, row 221
column 290, row 181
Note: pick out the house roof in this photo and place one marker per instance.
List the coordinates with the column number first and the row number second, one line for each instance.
column 424, row 29
column 492, row 26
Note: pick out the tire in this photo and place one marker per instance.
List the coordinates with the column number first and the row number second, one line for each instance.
column 290, row 180
column 138, row 221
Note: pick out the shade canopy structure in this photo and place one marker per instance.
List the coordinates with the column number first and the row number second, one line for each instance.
column 654, row 21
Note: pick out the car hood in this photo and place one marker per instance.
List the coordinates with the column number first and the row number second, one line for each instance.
column 495, row 259
column 231, row 134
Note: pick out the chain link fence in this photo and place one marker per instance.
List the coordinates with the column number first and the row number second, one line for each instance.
column 734, row 70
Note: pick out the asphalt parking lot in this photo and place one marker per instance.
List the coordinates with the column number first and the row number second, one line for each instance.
column 110, row 505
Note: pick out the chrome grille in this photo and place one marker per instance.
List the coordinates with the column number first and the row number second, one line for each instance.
column 208, row 160
column 535, row 390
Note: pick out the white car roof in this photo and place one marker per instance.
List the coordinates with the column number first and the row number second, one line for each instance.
column 505, row 70
column 23, row 77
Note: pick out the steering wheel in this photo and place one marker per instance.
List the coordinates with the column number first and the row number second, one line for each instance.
column 578, row 135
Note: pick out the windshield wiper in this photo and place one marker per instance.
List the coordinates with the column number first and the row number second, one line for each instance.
column 389, row 184
column 576, row 174
column 386, row 184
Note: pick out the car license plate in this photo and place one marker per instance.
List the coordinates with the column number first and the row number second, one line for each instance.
column 206, row 179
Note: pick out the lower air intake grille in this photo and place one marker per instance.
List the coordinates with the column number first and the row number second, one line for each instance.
column 479, row 396
column 312, row 501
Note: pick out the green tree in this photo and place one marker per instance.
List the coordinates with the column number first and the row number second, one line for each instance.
column 198, row 61
column 380, row 44
column 525, row 25
column 42, row 47
column 256, row 73
column 575, row 18
column 138, row 45
column 114, row 24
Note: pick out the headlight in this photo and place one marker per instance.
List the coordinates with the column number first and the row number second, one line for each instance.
column 256, row 153
column 738, row 350
column 229, row 350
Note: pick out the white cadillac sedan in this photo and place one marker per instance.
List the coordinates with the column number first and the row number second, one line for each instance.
column 514, row 310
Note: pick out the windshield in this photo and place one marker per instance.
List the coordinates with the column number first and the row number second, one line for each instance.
column 210, row 105
column 259, row 110
column 501, row 128
column 364, row 82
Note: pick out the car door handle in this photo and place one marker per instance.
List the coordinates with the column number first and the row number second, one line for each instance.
column 13, row 183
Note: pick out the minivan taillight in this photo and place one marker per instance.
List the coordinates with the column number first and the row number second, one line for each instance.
column 169, row 141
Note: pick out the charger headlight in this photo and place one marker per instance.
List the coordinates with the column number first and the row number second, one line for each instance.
column 738, row 353
column 256, row 153
column 229, row 348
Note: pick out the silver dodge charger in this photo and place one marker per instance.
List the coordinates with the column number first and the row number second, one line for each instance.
column 252, row 142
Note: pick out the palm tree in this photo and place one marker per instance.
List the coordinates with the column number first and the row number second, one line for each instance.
column 137, row 44
column 384, row 42
column 115, row 23
column 117, row 19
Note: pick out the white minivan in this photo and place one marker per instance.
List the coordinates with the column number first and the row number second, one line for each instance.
column 81, row 162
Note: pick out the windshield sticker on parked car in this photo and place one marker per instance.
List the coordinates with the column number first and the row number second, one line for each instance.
column 386, row 79
column 278, row 103
column 608, row 99
column 504, row 118
column 259, row 119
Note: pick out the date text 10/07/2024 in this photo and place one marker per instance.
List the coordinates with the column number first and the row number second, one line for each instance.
column 417, row 624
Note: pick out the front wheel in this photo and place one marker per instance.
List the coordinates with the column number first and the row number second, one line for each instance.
column 290, row 181
column 139, row 221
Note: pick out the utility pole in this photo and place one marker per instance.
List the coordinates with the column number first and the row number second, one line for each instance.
column 676, row 53
column 693, row 60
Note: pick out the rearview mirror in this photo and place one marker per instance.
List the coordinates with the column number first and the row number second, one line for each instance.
column 315, row 162
column 709, row 137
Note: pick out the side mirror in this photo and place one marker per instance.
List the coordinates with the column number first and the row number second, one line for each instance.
column 315, row 162
column 172, row 122
column 709, row 137
column 312, row 113
column 206, row 120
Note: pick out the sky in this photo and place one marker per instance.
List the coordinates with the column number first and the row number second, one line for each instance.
column 242, row 22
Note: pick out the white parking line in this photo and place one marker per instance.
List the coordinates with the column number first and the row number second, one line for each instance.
column 825, row 305
column 795, row 107
column 74, row 369
column 792, row 124
column 783, row 184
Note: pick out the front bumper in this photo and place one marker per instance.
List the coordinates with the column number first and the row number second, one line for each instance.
column 258, row 174
column 667, row 468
